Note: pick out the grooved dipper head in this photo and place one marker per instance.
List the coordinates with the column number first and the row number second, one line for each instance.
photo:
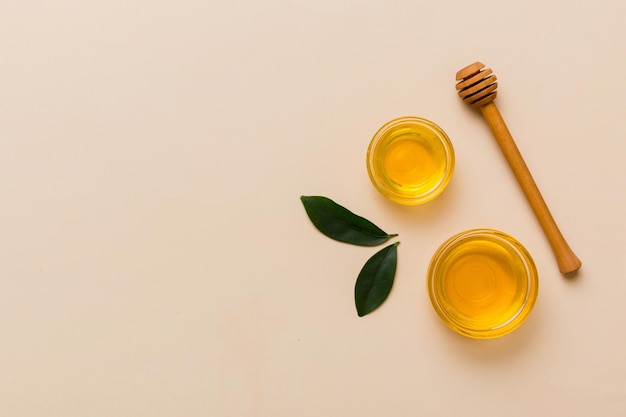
column 476, row 85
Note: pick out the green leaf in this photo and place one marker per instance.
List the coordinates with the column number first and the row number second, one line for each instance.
column 341, row 224
column 376, row 279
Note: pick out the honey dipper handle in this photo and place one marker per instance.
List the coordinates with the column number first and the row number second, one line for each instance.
column 568, row 261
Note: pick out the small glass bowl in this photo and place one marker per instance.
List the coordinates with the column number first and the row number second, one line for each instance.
column 482, row 283
column 410, row 160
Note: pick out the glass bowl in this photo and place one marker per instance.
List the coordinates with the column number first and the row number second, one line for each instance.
column 482, row 283
column 410, row 160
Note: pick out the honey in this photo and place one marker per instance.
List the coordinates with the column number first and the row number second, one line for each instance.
column 482, row 283
column 410, row 160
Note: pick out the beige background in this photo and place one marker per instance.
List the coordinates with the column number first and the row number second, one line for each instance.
column 155, row 257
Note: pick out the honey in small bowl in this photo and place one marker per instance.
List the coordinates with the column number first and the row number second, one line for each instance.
column 482, row 283
column 410, row 160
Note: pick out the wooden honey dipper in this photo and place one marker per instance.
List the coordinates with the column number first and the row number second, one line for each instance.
column 477, row 85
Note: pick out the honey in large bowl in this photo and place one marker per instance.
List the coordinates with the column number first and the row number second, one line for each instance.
column 482, row 283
